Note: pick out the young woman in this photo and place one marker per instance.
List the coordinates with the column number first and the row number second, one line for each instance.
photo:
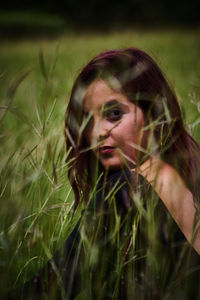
column 137, row 123
column 124, row 130
column 135, row 171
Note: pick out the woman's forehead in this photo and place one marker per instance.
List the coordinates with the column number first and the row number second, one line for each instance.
column 100, row 93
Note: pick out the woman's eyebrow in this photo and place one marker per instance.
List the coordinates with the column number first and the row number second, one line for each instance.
column 112, row 104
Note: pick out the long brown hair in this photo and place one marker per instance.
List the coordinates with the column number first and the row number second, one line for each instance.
column 142, row 81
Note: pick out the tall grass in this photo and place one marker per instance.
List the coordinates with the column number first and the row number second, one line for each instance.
column 36, row 78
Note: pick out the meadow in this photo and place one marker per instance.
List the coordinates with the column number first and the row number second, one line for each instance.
column 36, row 76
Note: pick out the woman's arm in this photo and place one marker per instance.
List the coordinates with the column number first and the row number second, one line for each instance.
column 175, row 195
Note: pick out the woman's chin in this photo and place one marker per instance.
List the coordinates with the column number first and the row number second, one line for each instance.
column 113, row 164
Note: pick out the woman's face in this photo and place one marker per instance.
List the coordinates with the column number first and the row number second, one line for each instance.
column 116, row 126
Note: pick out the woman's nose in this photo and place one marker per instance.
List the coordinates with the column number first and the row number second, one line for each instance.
column 100, row 130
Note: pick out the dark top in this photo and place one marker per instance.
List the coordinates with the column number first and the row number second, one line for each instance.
column 125, row 246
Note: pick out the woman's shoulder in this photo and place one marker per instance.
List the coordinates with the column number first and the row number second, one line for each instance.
column 175, row 195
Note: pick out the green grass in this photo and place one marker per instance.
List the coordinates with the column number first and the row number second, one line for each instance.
column 35, row 82
column 24, row 23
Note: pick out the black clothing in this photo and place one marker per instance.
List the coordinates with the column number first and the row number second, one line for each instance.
column 125, row 246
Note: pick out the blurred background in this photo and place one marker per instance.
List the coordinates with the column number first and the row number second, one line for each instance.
column 42, row 17
column 43, row 46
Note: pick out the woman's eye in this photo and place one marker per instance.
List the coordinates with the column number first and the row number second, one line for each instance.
column 114, row 114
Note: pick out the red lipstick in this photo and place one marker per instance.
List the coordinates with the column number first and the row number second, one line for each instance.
column 106, row 150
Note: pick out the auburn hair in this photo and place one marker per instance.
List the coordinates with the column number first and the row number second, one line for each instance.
column 143, row 82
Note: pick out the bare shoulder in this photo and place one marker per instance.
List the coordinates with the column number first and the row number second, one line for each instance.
column 163, row 177
column 175, row 195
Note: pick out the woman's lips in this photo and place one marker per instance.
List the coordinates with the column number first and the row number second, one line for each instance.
column 106, row 150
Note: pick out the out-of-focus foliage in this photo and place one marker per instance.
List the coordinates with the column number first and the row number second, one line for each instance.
column 35, row 82
column 55, row 16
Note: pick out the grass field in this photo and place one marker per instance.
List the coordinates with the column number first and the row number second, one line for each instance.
column 36, row 77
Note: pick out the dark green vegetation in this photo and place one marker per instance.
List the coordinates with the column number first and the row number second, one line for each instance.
column 35, row 82
column 104, row 14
